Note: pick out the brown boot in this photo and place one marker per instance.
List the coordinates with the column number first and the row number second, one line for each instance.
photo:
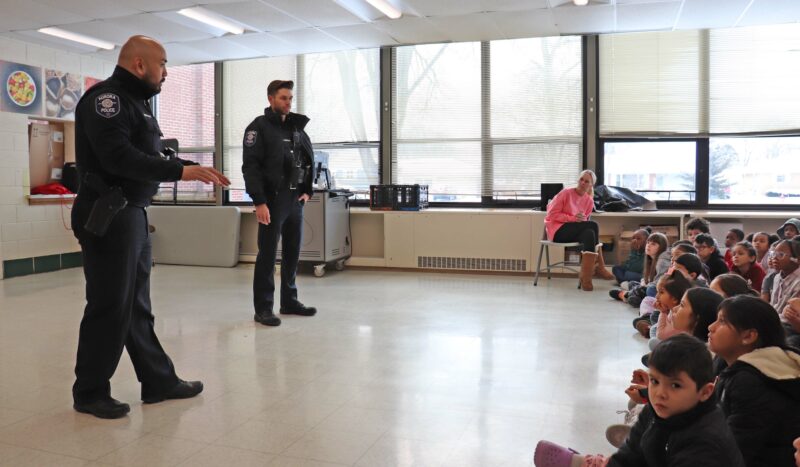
column 588, row 260
column 600, row 269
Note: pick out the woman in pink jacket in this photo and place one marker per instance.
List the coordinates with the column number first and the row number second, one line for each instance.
column 567, row 220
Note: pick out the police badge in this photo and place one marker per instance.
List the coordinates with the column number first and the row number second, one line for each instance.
column 107, row 105
column 250, row 138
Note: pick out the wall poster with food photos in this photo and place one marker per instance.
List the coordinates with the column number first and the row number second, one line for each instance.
column 21, row 88
column 63, row 93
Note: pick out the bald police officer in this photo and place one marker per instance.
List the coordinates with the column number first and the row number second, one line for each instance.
column 119, row 161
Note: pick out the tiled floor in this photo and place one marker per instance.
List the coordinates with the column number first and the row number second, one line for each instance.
column 397, row 369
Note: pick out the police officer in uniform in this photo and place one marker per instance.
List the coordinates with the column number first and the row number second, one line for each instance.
column 278, row 164
column 120, row 163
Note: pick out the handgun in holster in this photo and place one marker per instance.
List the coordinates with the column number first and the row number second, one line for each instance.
column 111, row 201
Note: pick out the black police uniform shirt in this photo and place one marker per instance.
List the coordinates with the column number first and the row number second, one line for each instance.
column 266, row 156
column 118, row 138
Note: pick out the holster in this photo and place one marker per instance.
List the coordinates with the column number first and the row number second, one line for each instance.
column 111, row 201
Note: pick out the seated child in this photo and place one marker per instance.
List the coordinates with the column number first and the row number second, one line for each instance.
column 656, row 264
column 693, row 315
column 731, row 285
column 691, row 267
column 681, row 426
column 759, row 391
column 708, row 251
column 631, row 270
column 695, row 226
column 746, row 265
column 733, row 237
column 669, row 290
column 786, row 258
column 789, row 229
column 762, row 242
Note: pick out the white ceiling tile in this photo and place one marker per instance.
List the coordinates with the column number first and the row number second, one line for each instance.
column 640, row 2
column 311, row 40
column 16, row 23
column 646, row 16
column 520, row 24
column 93, row 9
column 34, row 37
column 463, row 7
column 323, row 14
column 265, row 43
column 411, row 30
column 472, row 27
column 158, row 28
column 699, row 14
column 257, row 15
column 162, row 5
column 364, row 10
column 584, row 19
column 222, row 48
column 362, row 36
column 111, row 32
column 39, row 13
column 181, row 54
column 771, row 12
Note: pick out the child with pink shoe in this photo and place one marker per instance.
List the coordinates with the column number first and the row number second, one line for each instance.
column 681, row 426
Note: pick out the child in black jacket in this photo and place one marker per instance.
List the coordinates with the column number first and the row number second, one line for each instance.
column 680, row 427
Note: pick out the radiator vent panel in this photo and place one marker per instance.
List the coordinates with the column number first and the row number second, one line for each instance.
column 471, row 264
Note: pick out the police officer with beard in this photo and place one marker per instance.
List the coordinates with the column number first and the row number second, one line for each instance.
column 278, row 163
column 119, row 160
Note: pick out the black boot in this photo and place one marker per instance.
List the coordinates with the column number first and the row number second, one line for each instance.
column 267, row 318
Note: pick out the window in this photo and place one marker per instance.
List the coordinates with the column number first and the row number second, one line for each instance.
column 754, row 170
column 185, row 111
column 436, row 119
column 488, row 121
column 732, row 90
column 244, row 97
column 340, row 92
column 650, row 84
column 661, row 170
column 536, row 115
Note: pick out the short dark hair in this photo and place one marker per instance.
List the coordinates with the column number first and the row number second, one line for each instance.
column 704, row 308
column 691, row 262
column 698, row 223
column 734, row 284
column 683, row 353
column 739, row 233
column 708, row 240
column 681, row 242
column 676, row 284
column 745, row 312
column 277, row 85
column 685, row 247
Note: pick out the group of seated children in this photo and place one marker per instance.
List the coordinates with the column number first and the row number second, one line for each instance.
column 722, row 385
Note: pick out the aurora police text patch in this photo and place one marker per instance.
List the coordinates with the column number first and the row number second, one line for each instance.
column 107, row 105
column 250, row 138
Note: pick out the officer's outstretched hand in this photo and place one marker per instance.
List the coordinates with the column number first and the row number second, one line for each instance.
column 204, row 174
column 262, row 214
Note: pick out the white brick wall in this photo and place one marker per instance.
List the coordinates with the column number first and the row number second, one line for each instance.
column 29, row 231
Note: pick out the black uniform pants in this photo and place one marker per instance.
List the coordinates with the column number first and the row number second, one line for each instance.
column 286, row 222
column 118, row 313
column 586, row 233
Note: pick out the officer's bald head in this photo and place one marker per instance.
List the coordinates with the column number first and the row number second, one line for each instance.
column 145, row 58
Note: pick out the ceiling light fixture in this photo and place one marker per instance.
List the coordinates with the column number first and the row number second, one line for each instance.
column 386, row 8
column 212, row 19
column 80, row 38
column 580, row 2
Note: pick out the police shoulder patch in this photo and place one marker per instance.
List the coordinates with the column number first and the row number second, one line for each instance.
column 250, row 138
column 107, row 105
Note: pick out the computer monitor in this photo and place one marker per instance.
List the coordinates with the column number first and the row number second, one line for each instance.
column 549, row 191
